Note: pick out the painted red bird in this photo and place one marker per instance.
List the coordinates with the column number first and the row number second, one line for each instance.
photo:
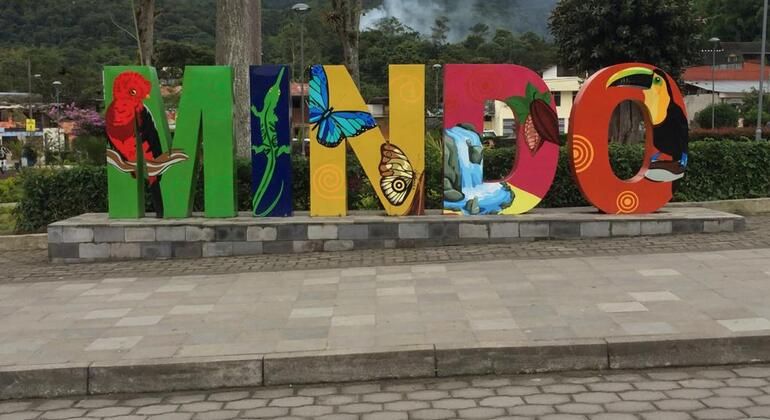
column 127, row 121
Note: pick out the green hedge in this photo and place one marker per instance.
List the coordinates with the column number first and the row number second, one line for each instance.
column 718, row 171
column 10, row 190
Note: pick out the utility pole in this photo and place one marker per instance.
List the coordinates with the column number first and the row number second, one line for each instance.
column 29, row 87
column 301, row 10
column 762, row 74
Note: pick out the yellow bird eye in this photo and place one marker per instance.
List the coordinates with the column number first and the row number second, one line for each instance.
column 658, row 80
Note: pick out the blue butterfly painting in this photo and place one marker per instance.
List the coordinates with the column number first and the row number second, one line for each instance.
column 333, row 126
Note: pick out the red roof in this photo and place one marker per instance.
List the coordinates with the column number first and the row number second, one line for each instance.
column 749, row 71
column 296, row 89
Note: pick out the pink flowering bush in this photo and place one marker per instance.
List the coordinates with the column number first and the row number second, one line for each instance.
column 88, row 122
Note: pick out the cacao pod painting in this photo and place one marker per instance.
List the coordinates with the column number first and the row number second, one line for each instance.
column 540, row 120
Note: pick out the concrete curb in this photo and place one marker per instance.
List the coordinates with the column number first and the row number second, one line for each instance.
column 746, row 206
column 23, row 242
column 427, row 361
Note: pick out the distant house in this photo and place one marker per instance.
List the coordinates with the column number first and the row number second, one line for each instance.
column 500, row 119
column 736, row 73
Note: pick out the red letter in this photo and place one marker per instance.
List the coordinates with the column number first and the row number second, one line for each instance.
column 665, row 156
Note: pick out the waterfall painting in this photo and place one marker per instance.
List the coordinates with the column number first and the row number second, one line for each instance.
column 465, row 191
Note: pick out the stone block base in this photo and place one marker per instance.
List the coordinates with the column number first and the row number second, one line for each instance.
column 95, row 237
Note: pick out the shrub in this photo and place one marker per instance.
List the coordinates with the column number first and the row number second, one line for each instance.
column 718, row 170
column 720, row 134
column 10, row 190
column 725, row 115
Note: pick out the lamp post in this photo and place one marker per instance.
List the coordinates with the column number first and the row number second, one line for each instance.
column 715, row 41
column 758, row 135
column 57, row 88
column 301, row 10
column 436, row 73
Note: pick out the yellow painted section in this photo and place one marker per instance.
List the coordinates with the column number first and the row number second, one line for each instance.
column 523, row 203
column 328, row 183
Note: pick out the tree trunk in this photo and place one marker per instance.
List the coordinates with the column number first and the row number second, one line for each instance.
column 346, row 18
column 625, row 123
column 239, row 44
column 144, row 15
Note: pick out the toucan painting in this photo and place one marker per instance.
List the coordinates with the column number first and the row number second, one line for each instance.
column 670, row 133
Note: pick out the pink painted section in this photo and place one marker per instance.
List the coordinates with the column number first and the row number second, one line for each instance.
column 468, row 86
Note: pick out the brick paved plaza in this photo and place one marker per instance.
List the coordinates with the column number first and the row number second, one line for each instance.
column 580, row 292
column 718, row 393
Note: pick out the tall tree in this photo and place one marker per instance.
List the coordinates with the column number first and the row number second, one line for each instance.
column 737, row 20
column 592, row 34
column 144, row 20
column 440, row 30
column 239, row 44
column 345, row 16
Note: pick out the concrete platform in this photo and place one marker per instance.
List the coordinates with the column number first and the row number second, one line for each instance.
column 94, row 237
column 168, row 333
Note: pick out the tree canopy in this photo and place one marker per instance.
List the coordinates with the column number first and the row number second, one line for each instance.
column 592, row 34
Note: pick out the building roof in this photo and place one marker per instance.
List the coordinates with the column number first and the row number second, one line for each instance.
column 725, row 86
column 748, row 71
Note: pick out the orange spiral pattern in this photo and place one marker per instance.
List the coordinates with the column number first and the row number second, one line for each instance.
column 582, row 153
column 327, row 180
column 627, row 202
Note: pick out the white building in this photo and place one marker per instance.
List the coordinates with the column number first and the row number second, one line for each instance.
column 500, row 119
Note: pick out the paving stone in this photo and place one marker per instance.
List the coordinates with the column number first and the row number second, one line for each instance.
column 547, row 399
column 564, row 389
column 432, row 414
column 311, row 411
column 360, row 408
column 727, row 402
column 666, row 415
column 531, row 410
column 171, row 416
column 381, row 397
column 579, row 408
column 701, row 383
column 291, row 402
column 66, row 413
column 110, row 411
column 157, row 409
column 641, row 395
column 472, row 393
column 337, row 399
column 454, row 403
column 614, row 416
column 679, row 405
column 761, row 412
column 266, row 412
column 517, row 391
column 596, row 397
column 385, row 415
column 502, row 401
column 656, row 385
column 217, row 415
column 427, row 395
column 407, row 405
column 201, row 406
column 753, row 372
column 480, row 413
column 610, row 387
column 746, row 382
column 692, row 394
column 629, row 406
column 245, row 404
column 20, row 415
column 718, row 414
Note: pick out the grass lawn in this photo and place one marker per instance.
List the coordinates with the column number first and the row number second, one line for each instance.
column 7, row 224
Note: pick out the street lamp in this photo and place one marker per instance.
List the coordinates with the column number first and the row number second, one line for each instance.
column 758, row 135
column 437, row 71
column 57, row 87
column 301, row 10
column 714, row 41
